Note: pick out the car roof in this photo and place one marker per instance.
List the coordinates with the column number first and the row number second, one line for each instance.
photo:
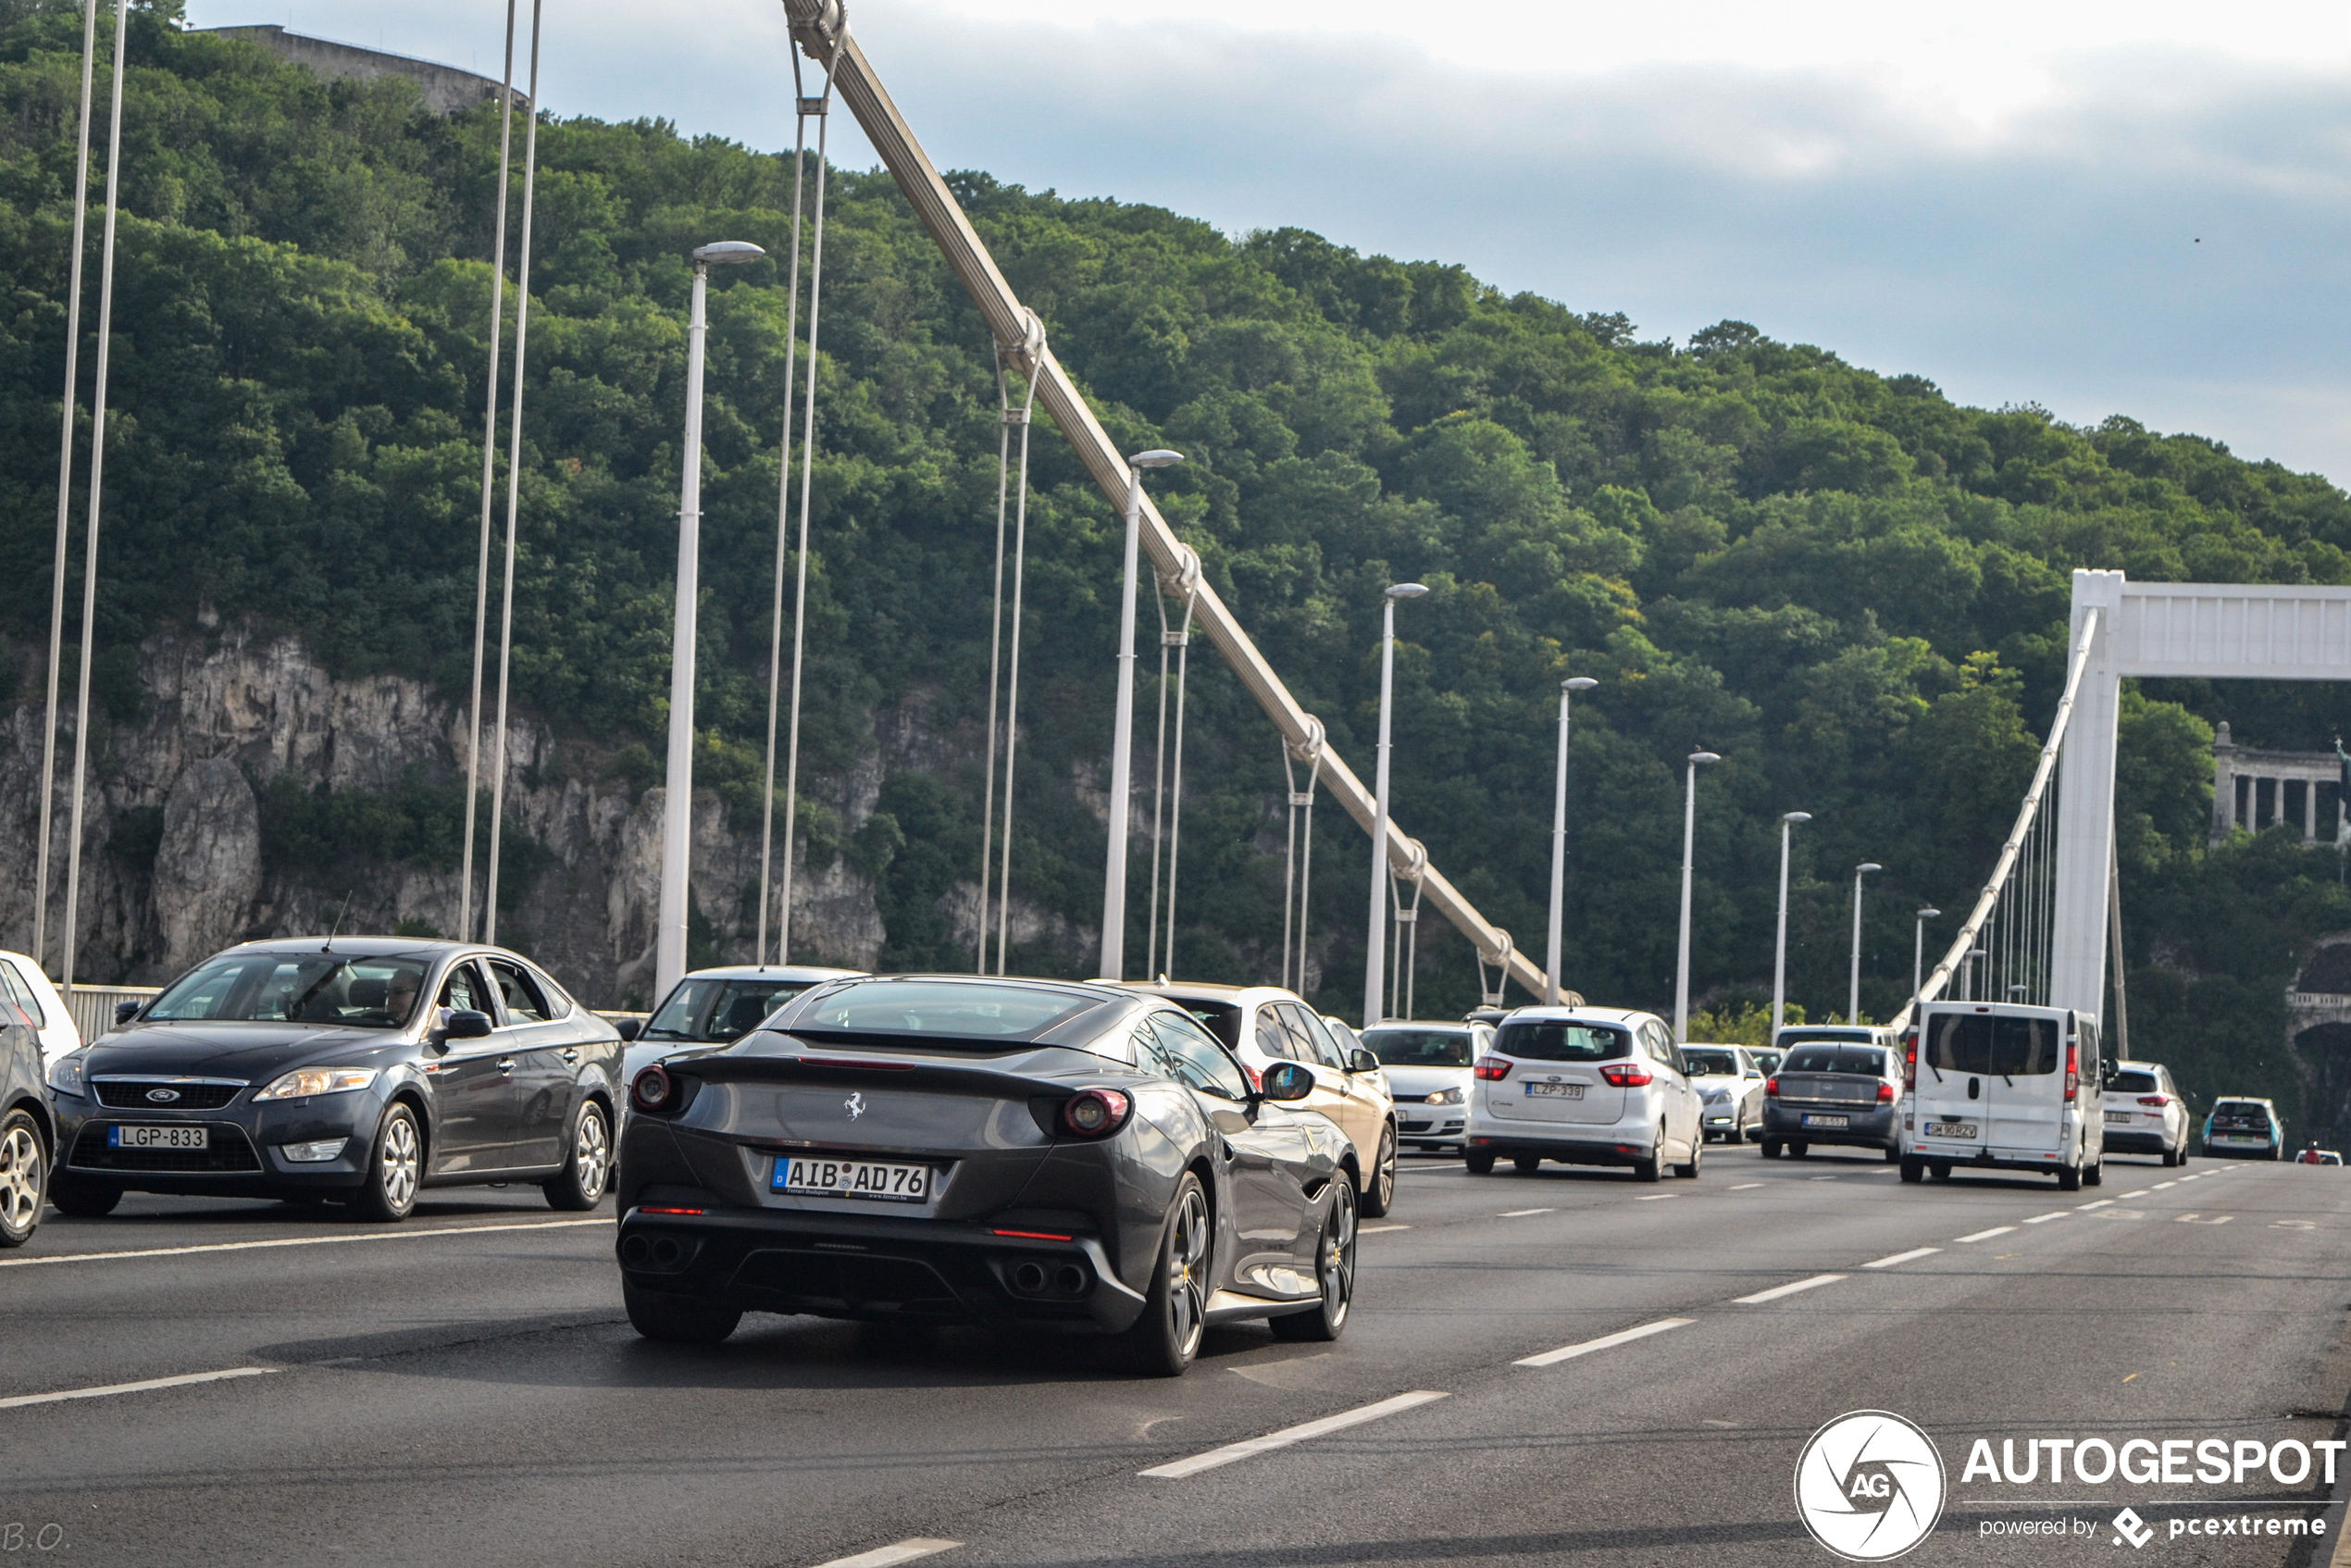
column 2244, row 1100
column 1624, row 1016
column 1104, row 990
column 777, row 972
column 367, row 947
column 2142, row 1066
column 1445, row 1026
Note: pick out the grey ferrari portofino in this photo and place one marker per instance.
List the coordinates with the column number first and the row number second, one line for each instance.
column 951, row 1148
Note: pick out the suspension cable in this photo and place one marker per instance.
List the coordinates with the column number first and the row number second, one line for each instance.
column 74, row 270
column 489, row 483
column 995, row 643
column 1032, row 349
column 97, row 477
column 807, row 478
column 514, row 489
column 783, row 514
column 1159, row 784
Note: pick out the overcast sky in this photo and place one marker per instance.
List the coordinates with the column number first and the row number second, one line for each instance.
column 2102, row 207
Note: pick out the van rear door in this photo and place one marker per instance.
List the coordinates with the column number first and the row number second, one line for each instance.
column 2025, row 1085
column 1953, row 1116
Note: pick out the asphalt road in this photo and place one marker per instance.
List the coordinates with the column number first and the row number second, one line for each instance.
column 463, row 1389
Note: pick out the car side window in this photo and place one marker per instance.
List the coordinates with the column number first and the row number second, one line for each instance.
column 20, row 992
column 558, row 1004
column 462, row 989
column 1201, row 1063
column 1310, row 1040
column 1270, row 1038
column 524, row 1004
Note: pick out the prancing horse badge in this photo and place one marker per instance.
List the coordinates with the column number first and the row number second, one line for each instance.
column 854, row 1106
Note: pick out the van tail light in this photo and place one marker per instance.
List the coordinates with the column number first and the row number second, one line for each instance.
column 1911, row 1063
column 1771, row 1088
column 2072, row 1071
column 1492, row 1069
column 1627, row 1075
column 2157, row 1101
column 1256, row 1078
column 1885, row 1094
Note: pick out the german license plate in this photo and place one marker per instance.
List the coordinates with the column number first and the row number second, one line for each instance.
column 2114, row 1117
column 159, row 1138
column 1828, row 1121
column 851, row 1178
column 1950, row 1129
column 1555, row 1091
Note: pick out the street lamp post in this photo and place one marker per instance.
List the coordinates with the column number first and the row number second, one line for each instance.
column 1689, row 844
column 1967, row 971
column 1779, row 949
column 677, row 806
column 1853, row 992
column 1375, row 955
column 1918, row 957
column 1122, row 760
column 1559, row 844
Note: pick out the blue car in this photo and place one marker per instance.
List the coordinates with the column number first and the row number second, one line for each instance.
column 2249, row 1128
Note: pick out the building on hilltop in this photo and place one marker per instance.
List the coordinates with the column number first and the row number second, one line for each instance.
column 2240, row 772
column 446, row 89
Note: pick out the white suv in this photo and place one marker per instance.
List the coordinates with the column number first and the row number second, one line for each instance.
column 1585, row 1086
column 2144, row 1113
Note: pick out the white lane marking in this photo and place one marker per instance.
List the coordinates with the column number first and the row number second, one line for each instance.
column 2101, row 1203
column 1521, row 1214
column 1824, row 1179
column 2161, row 1185
column 296, row 1241
column 1987, row 1235
column 1777, row 1291
column 1653, row 1196
column 181, row 1381
column 1743, row 1187
column 1605, row 1342
column 884, row 1556
column 1375, row 1229
column 1904, row 1257
column 2198, row 1176
column 2190, row 1218
column 1289, row 1435
column 2043, row 1219
column 1890, row 1170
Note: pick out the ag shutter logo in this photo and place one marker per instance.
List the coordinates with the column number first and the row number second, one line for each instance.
column 1868, row 1485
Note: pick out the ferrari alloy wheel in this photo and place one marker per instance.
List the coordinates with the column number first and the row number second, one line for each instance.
column 1334, row 1266
column 1380, row 1195
column 1166, row 1337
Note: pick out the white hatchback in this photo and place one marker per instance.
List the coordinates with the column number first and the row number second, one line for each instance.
column 1427, row 1067
column 2144, row 1113
column 1585, row 1086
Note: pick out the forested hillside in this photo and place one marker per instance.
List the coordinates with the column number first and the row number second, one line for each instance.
column 1850, row 587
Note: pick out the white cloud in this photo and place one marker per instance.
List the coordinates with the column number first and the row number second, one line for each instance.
column 2136, row 211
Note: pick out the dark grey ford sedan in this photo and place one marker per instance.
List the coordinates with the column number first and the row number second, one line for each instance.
column 357, row 1070
column 945, row 1148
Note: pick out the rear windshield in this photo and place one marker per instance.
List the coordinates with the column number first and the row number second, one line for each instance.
column 1710, row 1063
column 367, row 993
column 946, row 1009
column 1797, row 1035
column 720, row 1009
column 2240, row 1108
column 1834, row 1059
column 1419, row 1048
column 1564, row 1042
column 2133, row 1083
column 1978, row 1042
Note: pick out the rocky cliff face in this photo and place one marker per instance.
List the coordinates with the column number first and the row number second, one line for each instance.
column 226, row 713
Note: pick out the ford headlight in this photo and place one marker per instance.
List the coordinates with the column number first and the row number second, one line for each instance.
column 1446, row 1097
column 304, row 1082
column 65, row 1075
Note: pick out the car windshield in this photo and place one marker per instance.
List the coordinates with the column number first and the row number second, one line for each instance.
column 720, row 1010
column 1549, row 1041
column 367, row 993
column 944, row 1009
column 2132, row 1083
column 1978, row 1042
column 1706, row 1064
column 1419, row 1048
column 1836, row 1059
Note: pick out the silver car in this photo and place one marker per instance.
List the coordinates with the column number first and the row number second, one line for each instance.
column 1730, row 1091
column 1428, row 1068
column 715, row 1007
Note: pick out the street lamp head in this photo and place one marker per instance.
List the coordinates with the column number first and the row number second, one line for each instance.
column 1407, row 591
column 1578, row 683
column 1929, row 913
column 1978, row 952
column 1157, row 457
column 1796, row 817
column 1697, row 758
column 1867, row 867
column 727, row 251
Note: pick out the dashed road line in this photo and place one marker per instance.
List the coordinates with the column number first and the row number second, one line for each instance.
column 1653, row 1196
column 888, row 1556
column 1744, row 1187
column 2043, row 1219
column 1779, row 1291
column 1521, row 1214
column 296, row 1241
column 1181, row 1468
column 2101, row 1203
column 1605, row 1342
column 1914, row 1253
column 2161, row 1185
column 1375, row 1229
column 1987, row 1235
column 145, row 1384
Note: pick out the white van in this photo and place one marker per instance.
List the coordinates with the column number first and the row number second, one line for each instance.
column 2000, row 1086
